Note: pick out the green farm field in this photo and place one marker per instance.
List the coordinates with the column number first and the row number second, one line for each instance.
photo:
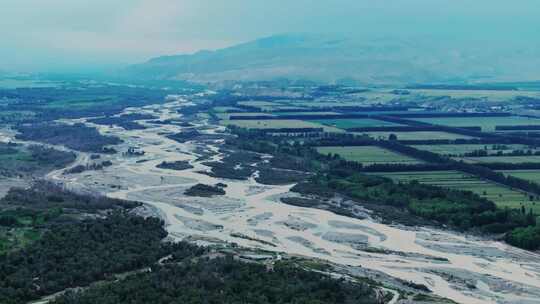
column 501, row 159
column 454, row 149
column 368, row 155
column 325, row 104
column 225, row 109
column 269, row 106
column 486, row 123
column 489, row 95
column 420, row 135
column 255, row 103
column 226, row 116
column 282, row 109
column 277, row 124
column 304, row 113
column 355, row 123
column 500, row 195
column 531, row 175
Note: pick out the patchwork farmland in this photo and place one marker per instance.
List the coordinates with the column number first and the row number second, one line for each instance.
column 474, row 152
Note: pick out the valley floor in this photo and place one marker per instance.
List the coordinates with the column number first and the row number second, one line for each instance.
column 462, row 268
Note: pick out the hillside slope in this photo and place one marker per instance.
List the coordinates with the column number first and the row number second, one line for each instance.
column 331, row 58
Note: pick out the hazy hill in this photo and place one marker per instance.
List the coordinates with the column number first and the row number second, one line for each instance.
column 330, row 58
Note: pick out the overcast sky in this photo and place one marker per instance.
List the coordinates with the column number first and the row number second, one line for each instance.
column 59, row 34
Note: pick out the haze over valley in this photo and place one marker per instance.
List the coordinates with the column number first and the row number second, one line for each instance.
column 269, row 152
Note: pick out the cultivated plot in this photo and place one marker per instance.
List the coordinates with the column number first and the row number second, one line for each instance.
column 488, row 95
column 278, row 124
column 227, row 116
column 419, row 135
column 355, row 123
column 531, row 175
column 486, row 123
column 455, row 149
column 369, row 155
column 501, row 159
column 502, row 196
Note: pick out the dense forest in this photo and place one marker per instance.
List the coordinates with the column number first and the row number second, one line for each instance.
column 46, row 195
column 77, row 136
column 224, row 280
column 79, row 254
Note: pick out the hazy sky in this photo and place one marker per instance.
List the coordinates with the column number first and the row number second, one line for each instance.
column 60, row 34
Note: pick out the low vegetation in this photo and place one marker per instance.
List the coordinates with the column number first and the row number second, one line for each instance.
column 89, row 167
column 272, row 176
column 34, row 160
column 177, row 165
column 77, row 137
column 117, row 121
column 205, row 190
column 234, row 165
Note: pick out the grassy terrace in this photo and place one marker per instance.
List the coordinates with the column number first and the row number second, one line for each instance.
column 226, row 116
column 502, row 159
column 255, row 103
column 278, row 123
column 501, row 195
column 420, row 135
column 461, row 149
column 354, row 123
column 225, row 109
column 532, row 175
column 304, row 113
column 269, row 106
column 492, row 95
column 486, row 123
column 369, row 155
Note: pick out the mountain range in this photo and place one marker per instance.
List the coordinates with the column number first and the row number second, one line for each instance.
column 334, row 58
